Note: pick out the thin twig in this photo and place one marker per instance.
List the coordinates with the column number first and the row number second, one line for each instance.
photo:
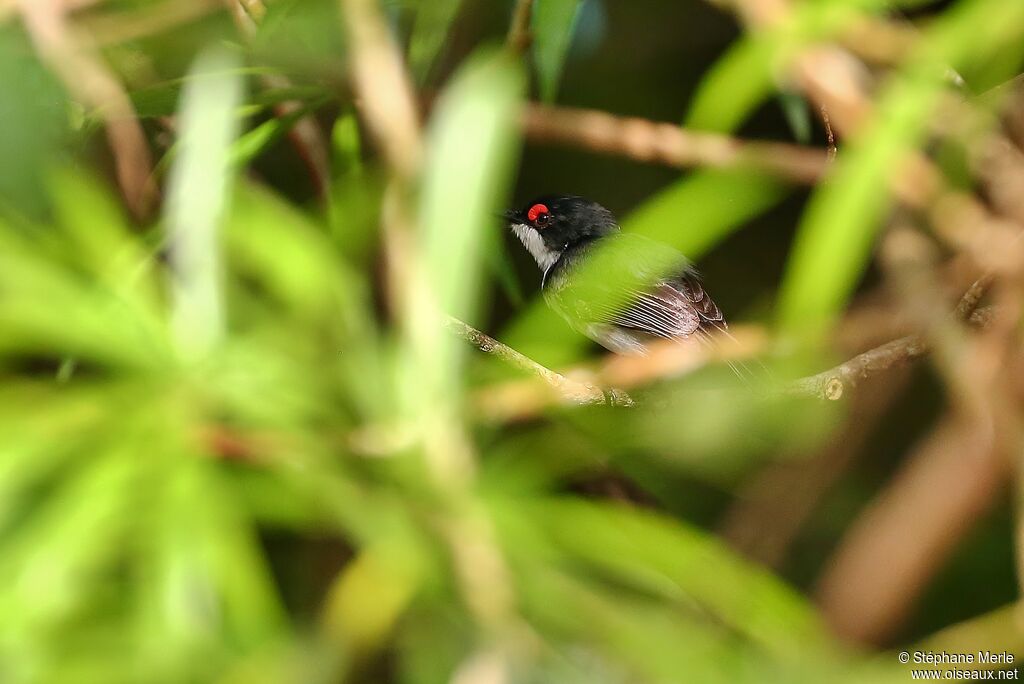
column 835, row 382
column 830, row 136
column 570, row 390
column 667, row 143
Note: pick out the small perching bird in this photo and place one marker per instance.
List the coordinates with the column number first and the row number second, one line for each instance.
column 620, row 290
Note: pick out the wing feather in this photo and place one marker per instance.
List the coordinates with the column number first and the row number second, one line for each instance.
column 676, row 306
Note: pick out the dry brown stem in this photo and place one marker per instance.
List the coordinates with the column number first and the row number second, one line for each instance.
column 668, row 144
column 519, row 36
column 87, row 78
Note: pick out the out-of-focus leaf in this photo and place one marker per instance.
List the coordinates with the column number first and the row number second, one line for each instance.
column 668, row 559
column 552, row 24
column 737, row 83
column 206, row 582
column 284, row 251
column 500, row 265
column 302, row 35
column 196, row 198
column 472, row 146
column 433, row 640
column 743, row 78
column 994, row 631
column 253, row 143
column 652, row 640
column 682, row 216
column 707, row 444
column 95, row 234
column 433, row 22
column 355, row 194
column 371, row 594
column 51, row 563
column 305, row 282
column 82, row 320
column 346, row 144
column 798, row 115
column 835, row 237
column 33, row 116
column 162, row 98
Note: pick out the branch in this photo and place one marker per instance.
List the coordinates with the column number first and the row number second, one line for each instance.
column 519, row 30
column 571, row 390
column 834, row 383
column 87, row 78
column 667, row 143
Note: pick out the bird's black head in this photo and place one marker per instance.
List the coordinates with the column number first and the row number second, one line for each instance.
column 548, row 225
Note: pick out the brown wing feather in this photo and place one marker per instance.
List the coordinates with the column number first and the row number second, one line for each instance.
column 678, row 307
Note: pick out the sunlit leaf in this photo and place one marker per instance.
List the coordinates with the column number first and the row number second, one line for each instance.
column 471, row 151
column 197, row 190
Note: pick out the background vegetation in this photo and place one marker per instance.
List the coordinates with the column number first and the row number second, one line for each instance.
column 247, row 433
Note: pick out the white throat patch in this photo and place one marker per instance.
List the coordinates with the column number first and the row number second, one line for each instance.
column 534, row 244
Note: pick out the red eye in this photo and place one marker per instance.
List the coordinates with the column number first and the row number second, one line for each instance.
column 535, row 211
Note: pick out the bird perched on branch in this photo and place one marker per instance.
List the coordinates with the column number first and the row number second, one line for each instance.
column 620, row 290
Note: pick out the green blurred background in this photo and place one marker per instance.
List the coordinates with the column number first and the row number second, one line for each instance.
column 229, row 453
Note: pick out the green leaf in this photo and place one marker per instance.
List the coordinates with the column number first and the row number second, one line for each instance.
column 797, row 111
column 681, row 564
column 682, row 216
column 255, row 142
column 653, row 639
column 734, row 86
column 433, row 22
column 161, row 99
column 371, row 594
column 472, row 145
column 499, row 264
column 197, row 190
column 552, row 24
column 89, row 320
column 346, row 143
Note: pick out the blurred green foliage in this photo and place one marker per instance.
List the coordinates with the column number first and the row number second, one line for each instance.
column 231, row 454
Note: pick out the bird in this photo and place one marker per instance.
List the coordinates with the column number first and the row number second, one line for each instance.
column 637, row 290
